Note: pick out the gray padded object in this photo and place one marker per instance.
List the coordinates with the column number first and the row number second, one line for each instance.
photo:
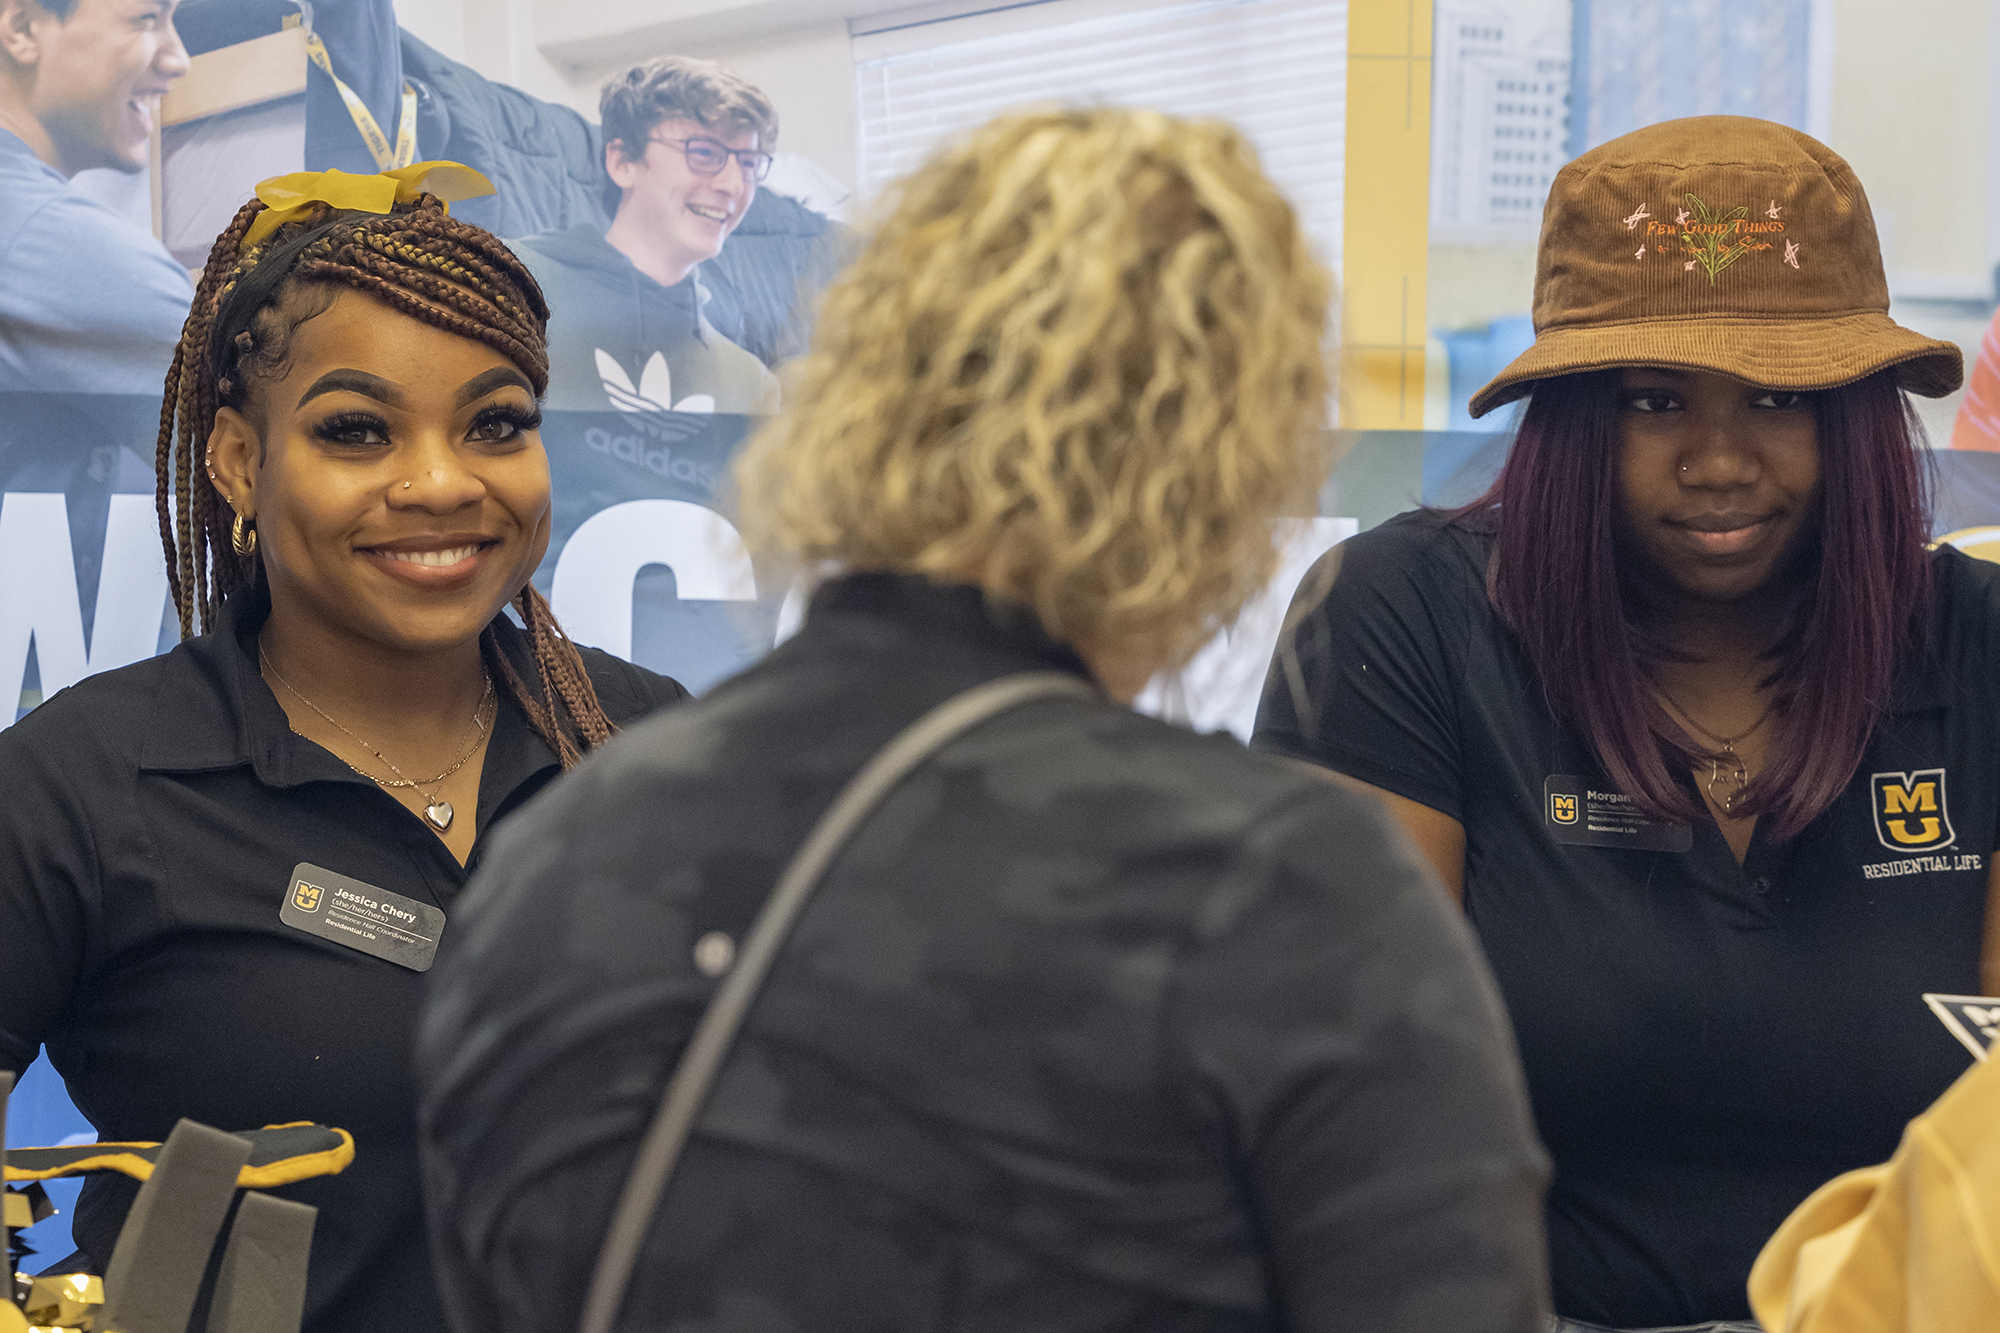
column 262, row 1286
column 156, row 1270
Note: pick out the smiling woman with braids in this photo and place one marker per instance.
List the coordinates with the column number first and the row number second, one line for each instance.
column 223, row 870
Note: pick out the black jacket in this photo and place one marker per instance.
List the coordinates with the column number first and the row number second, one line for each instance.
column 150, row 822
column 1096, row 1025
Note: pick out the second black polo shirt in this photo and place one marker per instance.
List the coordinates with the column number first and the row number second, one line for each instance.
column 1705, row 1042
column 150, row 820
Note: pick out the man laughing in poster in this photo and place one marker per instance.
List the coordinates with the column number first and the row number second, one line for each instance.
column 685, row 143
column 102, row 302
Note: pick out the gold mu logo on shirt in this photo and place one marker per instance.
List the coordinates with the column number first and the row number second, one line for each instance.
column 306, row 896
column 1562, row 807
column 1910, row 811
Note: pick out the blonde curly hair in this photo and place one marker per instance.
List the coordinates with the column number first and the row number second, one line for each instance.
column 1079, row 363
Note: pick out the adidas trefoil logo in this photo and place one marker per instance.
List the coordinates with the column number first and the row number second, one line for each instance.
column 655, row 390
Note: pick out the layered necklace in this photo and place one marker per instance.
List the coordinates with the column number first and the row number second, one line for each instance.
column 1725, row 767
column 437, row 812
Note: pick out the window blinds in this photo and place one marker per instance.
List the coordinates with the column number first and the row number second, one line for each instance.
column 1275, row 68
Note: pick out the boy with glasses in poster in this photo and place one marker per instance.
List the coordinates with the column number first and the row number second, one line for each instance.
column 685, row 144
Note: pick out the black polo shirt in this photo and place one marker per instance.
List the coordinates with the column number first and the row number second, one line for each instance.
column 1705, row 1042
column 1080, row 1032
column 150, row 819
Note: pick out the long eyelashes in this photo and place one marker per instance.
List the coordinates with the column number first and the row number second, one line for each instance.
column 509, row 420
column 495, row 425
column 352, row 428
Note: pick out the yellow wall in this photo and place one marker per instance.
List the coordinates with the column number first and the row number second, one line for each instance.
column 1911, row 83
column 1387, row 214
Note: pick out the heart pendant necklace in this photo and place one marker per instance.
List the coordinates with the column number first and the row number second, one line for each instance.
column 437, row 811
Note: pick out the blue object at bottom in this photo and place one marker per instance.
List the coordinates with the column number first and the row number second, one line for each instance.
column 40, row 1115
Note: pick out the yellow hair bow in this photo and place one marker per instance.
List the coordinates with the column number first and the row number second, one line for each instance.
column 285, row 196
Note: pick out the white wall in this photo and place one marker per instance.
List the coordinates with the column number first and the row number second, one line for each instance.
column 498, row 38
column 437, row 23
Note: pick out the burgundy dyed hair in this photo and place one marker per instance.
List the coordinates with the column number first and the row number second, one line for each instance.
column 1555, row 579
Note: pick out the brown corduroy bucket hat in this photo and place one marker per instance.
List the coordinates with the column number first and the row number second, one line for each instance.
column 1716, row 243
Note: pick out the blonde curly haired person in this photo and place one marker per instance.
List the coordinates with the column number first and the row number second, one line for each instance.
column 1095, row 1023
column 1080, row 365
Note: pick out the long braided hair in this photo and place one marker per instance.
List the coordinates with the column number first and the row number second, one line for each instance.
column 419, row 260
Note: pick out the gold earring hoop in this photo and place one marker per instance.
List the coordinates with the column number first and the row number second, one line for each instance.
column 242, row 541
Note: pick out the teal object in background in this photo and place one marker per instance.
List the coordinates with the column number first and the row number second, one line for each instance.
column 1476, row 355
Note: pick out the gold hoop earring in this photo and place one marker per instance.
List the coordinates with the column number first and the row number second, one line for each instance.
column 244, row 543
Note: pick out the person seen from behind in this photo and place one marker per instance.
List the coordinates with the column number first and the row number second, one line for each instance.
column 1085, row 1029
column 1687, row 716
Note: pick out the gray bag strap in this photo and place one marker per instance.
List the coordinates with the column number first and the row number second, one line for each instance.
column 660, row 1150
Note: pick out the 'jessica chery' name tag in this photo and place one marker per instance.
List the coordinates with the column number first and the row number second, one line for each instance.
column 334, row 907
column 1577, row 813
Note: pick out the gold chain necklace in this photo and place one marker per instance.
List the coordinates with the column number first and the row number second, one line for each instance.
column 1724, row 765
column 437, row 813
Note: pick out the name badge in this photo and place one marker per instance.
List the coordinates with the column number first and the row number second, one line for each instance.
column 387, row 925
column 1577, row 813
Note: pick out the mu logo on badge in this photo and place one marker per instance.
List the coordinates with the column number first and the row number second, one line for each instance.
column 1910, row 813
column 306, row 896
column 1562, row 807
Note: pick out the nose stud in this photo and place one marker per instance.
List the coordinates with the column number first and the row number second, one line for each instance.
column 406, row 485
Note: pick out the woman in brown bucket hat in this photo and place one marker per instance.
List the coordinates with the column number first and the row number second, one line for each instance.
column 1687, row 714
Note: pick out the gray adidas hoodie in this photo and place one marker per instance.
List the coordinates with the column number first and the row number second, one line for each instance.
column 618, row 339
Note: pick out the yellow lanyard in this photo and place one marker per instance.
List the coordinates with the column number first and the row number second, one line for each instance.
column 386, row 158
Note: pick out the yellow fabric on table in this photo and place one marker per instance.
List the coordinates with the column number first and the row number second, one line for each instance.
column 1906, row 1247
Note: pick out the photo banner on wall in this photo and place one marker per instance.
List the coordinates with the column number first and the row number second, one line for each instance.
column 644, row 557
column 655, row 384
column 656, row 379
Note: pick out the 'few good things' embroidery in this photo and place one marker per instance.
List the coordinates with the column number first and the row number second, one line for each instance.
column 1712, row 238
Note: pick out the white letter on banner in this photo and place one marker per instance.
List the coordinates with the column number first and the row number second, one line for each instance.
column 131, row 589
column 592, row 595
column 38, row 594
column 38, row 598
